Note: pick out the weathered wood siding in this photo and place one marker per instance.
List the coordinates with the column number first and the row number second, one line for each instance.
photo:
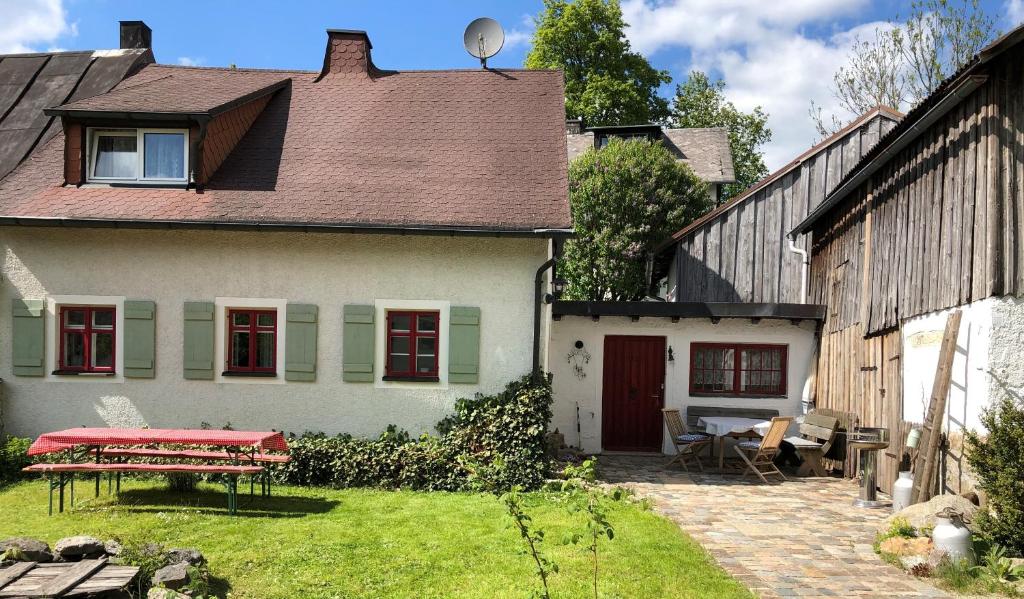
column 939, row 225
column 742, row 255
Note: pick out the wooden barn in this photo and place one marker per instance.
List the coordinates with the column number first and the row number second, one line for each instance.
column 929, row 220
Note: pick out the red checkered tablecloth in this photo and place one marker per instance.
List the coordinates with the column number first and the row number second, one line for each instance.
column 77, row 437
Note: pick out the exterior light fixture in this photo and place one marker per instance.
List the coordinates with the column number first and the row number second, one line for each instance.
column 558, row 287
column 671, row 355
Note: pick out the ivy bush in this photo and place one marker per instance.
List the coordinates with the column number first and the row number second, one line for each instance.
column 491, row 442
column 13, row 457
column 998, row 460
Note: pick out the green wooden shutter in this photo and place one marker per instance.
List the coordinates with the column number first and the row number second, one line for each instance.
column 300, row 343
column 28, row 336
column 464, row 345
column 198, row 351
column 358, row 344
column 139, row 339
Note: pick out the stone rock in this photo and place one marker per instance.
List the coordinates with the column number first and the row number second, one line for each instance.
column 159, row 593
column 922, row 515
column 73, row 548
column 29, row 550
column 904, row 547
column 174, row 576
column 112, row 548
column 189, row 556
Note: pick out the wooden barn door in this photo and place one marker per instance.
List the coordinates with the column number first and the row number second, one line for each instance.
column 633, row 393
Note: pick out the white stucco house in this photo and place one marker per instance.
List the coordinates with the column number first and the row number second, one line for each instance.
column 332, row 250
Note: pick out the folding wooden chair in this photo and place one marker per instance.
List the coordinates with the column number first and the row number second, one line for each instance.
column 761, row 455
column 687, row 444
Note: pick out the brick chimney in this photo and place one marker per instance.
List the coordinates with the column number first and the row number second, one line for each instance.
column 136, row 35
column 348, row 53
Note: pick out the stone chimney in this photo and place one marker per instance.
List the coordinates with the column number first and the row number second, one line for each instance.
column 136, row 35
column 348, row 53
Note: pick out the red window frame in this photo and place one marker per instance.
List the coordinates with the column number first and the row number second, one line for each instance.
column 737, row 369
column 87, row 331
column 252, row 328
column 414, row 335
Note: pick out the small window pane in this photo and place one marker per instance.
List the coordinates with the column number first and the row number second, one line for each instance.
column 400, row 345
column 426, row 323
column 399, row 364
column 74, row 318
column 164, row 155
column 116, row 157
column 103, row 318
column 264, row 320
column 240, row 319
column 400, row 322
column 240, row 349
column 264, row 350
column 424, row 364
column 74, row 350
column 102, row 350
column 426, row 346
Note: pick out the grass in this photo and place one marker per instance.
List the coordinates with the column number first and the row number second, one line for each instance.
column 311, row 542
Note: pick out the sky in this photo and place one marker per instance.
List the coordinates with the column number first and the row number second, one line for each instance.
column 777, row 54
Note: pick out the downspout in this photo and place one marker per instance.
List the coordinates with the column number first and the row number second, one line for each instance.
column 804, row 265
column 538, row 297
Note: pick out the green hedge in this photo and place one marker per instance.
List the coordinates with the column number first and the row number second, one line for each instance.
column 491, row 442
column 998, row 461
column 13, row 457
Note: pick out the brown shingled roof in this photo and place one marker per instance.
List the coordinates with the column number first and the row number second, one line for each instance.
column 451, row 150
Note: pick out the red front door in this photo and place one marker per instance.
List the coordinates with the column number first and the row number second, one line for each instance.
column 633, row 393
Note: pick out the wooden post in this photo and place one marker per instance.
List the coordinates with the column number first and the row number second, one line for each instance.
column 932, row 430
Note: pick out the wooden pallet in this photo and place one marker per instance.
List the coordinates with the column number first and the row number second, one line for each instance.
column 93, row 577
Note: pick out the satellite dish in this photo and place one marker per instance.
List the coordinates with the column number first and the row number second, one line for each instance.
column 483, row 39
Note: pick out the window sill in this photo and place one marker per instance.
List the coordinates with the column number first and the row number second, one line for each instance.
column 81, row 373
column 413, row 379
column 740, row 395
column 264, row 375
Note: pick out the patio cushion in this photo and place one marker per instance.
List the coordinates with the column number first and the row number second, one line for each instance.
column 801, row 442
column 691, row 438
column 749, row 445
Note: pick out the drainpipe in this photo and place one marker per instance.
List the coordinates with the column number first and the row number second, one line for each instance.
column 804, row 264
column 538, row 297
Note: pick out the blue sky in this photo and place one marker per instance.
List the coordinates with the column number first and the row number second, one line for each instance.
column 779, row 54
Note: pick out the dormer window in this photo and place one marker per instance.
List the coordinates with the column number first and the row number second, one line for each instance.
column 138, row 155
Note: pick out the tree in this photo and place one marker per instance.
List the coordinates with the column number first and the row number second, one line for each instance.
column 699, row 102
column 907, row 60
column 625, row 198
column 606, row 83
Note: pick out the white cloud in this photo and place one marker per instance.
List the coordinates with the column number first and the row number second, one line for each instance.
column 1014, row 12
column 520, row 36
column 187, row 61
column 28, row 23
column 763, row 52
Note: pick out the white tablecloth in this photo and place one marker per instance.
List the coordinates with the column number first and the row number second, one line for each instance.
column 723, row 425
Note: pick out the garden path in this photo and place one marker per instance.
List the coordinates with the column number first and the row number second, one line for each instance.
column 799, row 538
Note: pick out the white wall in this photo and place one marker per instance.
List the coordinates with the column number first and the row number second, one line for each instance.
column 326, row 269
column 570, row 391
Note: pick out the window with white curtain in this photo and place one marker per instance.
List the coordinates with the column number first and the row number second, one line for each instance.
column 143, row 155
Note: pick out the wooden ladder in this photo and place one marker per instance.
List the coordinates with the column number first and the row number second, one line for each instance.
column 931, row 432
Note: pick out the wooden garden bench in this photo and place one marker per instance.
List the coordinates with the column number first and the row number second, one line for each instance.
column 817, row 432
column 191, row 454
column 65, row 474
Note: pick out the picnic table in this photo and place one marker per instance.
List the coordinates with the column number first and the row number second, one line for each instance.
column 245, row 450
column 732, row 426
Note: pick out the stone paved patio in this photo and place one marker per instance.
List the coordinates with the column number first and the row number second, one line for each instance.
column 800, row 538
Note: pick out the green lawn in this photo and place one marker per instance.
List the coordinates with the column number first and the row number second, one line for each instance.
column 308, row 542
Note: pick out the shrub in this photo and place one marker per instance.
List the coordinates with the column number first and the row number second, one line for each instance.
column 492, row 443
column 13, row 457
column 998, row 460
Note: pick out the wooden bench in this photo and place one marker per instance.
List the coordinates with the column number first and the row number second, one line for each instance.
column 816, row 435
column 65, row 474
column 192, row 454
column 695, row 413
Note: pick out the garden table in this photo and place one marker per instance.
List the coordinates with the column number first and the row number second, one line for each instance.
column 731, row 426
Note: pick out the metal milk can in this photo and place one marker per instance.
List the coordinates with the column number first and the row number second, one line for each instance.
column 952, row 537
